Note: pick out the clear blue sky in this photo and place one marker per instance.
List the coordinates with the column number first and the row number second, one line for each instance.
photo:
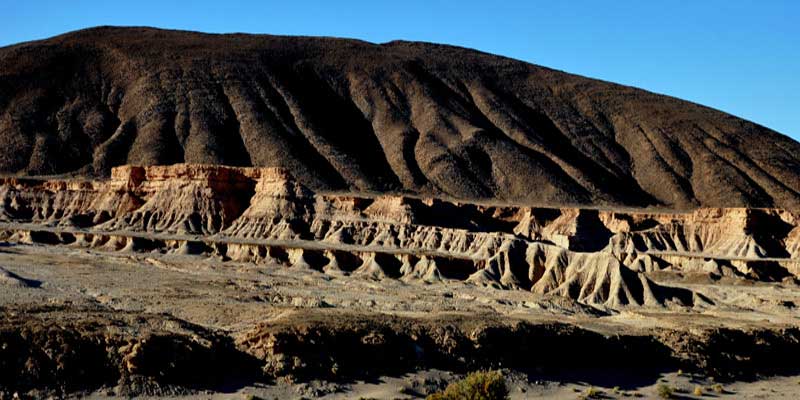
column 740, row 56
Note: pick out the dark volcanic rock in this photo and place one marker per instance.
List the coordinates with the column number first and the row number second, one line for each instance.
column 400, row 116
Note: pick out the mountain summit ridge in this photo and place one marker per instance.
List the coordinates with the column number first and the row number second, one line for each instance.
column 408, row 117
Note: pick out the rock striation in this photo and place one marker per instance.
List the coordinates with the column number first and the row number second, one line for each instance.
column 265, row 216
column 398, row 117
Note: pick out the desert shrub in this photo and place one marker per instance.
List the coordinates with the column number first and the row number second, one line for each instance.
column 481, row 385
column 592, row 393
column 665, row 391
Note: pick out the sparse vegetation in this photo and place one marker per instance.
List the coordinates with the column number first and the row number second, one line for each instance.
column 665, row 391
column 481, row 385
column 407, row 390
column 591, row 393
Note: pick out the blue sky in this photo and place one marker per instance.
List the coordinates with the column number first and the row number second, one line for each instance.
column 740, row 56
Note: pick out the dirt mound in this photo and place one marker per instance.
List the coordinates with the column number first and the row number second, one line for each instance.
column 600, row 278
column 336, row 344
column 401, row 116
column 59, row 351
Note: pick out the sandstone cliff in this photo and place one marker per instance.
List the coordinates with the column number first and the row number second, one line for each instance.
column 263, row 215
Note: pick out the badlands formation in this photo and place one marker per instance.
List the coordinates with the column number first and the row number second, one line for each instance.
column 165, row 279
column 264, row 216
column 194, row 214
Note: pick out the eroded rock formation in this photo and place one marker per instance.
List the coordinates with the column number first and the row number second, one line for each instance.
column 263, row 215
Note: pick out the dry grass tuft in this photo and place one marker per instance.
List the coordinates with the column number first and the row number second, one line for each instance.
column 480, row 385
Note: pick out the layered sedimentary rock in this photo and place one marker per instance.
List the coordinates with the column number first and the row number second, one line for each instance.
column 263, row 215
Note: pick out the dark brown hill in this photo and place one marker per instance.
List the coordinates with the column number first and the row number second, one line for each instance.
column 401, row 116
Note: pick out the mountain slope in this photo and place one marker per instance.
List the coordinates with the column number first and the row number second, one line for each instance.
column 401, row 116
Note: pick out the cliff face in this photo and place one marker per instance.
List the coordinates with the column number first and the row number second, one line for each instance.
column 265, row 216
column 401, row 116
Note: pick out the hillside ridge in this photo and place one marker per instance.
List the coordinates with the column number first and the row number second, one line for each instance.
column 399, row 117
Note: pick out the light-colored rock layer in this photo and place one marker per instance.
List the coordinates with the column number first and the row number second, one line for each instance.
column 263, row 215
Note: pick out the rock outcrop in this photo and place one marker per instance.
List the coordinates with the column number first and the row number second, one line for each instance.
column 263, row 215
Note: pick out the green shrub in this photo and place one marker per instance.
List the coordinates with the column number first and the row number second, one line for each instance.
column 482, row 385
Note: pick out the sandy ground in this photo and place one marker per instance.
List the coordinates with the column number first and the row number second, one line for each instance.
column 605, row 385
column 233, row 297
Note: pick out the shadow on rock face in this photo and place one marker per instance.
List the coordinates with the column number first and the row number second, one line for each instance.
column 50, row 351
column 349, row 347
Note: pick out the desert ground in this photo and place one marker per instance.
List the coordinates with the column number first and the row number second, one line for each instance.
column 189, row 296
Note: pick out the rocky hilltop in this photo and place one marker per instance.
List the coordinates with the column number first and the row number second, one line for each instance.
column 264, row 216
column 399, row 117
